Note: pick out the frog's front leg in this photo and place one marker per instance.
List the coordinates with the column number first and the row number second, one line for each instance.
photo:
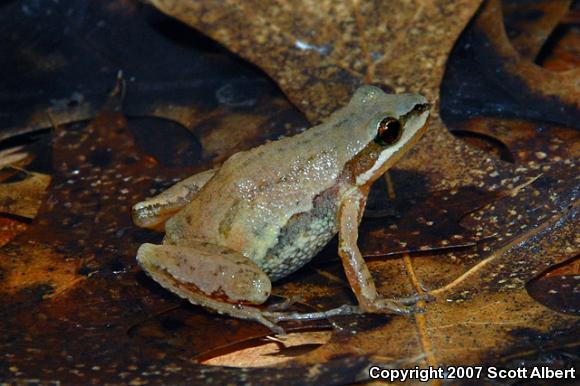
column 153, row 212
column 212, row 276
column 356, row 270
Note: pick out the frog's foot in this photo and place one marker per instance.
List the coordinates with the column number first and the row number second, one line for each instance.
column 284, row 305
column 214, row 277
column 257, row 315
column 388, row 306
column 406, row 305
column 356, row 270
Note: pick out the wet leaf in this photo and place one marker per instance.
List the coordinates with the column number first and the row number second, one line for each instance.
column 529, row 24
column 403, row 50
column 82, row 246
column 73, row 273
column 557, row 91
column 10, row 228
column 23, row 198
column 522, row 141
column 463, row 282
column 559, row 293
column 421, row 224
column 481, row 299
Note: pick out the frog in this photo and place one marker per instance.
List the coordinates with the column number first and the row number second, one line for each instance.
column 233, row 230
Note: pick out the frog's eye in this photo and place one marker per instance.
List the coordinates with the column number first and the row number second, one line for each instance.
column 389, row 131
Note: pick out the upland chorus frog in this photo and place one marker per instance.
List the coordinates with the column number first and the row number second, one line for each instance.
column 265, row 212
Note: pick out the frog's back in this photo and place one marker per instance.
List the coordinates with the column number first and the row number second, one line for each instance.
column 257, row 197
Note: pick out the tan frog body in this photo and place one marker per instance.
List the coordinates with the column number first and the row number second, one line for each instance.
column 267, row 211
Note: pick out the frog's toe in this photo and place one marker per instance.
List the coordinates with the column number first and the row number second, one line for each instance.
column 402, row 306
column 271, row 324
column 411, row 300
column 285, row 304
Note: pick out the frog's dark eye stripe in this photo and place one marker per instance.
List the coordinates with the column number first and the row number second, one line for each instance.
column 389, row 131
column 422, row 107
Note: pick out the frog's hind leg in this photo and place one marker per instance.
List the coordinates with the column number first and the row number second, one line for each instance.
column 344, row 310
column 153, row 212
column 214, row 277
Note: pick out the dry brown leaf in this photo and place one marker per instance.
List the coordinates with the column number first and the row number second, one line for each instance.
column 12, row 156
column 73, row 275
column 421, row 224
column 319, row 52
column 23, row 198
column 318, row 60
column 564, row 57
column 9, row 228
column 532, row 22
column 482, row 310
column 527, row 141
column 481, row 314
column 558, row 88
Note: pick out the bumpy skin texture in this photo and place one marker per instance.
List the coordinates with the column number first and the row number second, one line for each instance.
column 218, row 271
column 255, row 193
column 267, row 211
column 303, row 237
